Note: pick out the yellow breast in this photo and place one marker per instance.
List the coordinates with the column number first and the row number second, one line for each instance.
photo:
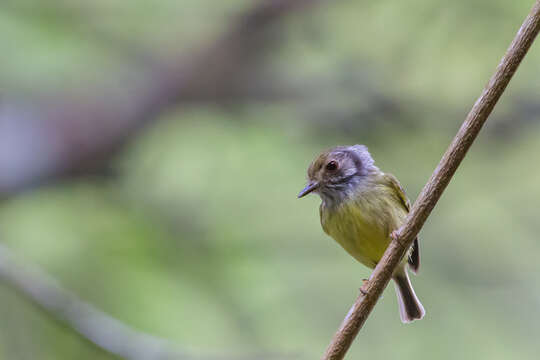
column 362, row 224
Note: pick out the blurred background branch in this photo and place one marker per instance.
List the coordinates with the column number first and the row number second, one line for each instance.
column 93, row 325
column 102, row 330
column 66, row 136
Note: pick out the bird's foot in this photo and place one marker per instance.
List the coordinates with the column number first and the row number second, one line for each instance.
column 394, row 235
column 363, row 290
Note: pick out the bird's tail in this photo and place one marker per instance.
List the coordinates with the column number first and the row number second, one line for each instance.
column 410, row 308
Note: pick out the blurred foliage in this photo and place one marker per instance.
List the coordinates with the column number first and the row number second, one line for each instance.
column 199, row 237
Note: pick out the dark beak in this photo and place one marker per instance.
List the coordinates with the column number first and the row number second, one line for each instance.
column 309, row 188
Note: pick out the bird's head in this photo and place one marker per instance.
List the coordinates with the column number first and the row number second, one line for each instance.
column 336, row 173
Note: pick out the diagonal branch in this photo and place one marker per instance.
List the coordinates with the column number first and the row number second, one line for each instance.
column 435, row 186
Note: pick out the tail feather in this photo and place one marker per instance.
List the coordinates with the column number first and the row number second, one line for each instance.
column 414, row 256
column 410, row 308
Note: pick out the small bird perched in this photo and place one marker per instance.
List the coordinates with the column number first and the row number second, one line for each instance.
column 361, row 207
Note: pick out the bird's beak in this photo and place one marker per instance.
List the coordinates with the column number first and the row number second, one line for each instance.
column 309, row 188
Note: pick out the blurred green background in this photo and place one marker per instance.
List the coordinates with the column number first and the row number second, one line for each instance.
column 191, row 230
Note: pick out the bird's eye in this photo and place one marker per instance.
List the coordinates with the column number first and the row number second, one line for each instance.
column 332, row 166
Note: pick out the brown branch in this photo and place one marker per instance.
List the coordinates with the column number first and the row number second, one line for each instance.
column 435, row 186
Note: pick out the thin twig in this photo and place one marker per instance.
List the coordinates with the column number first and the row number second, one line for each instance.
column 435, row 186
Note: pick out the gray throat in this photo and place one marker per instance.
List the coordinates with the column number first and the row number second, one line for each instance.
column 333, row 195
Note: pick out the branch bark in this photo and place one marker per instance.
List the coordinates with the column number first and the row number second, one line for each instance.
column 434, row 188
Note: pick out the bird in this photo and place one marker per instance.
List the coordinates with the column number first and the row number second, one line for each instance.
column 361, row 207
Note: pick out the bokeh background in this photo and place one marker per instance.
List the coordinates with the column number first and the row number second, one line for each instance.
column 151, row 153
